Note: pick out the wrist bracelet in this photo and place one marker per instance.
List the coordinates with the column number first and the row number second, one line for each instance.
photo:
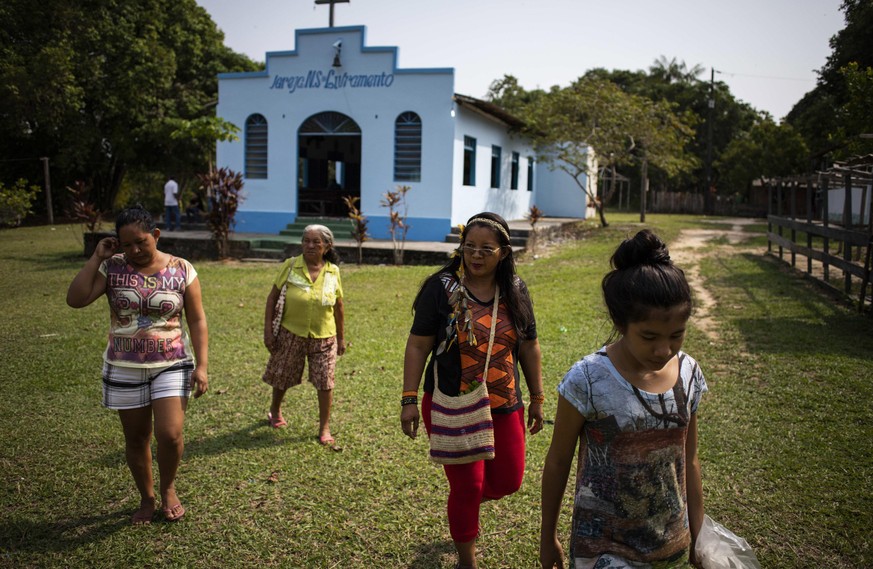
column 410, row 393
column 537, row 398
column 408, row 400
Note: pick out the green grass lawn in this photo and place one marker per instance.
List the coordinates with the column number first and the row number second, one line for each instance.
column 786, row 429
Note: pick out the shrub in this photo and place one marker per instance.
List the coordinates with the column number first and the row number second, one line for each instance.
column 15, row 202
column 397, row 220
column 359, row 224
column 82, row 209
column 225, row 185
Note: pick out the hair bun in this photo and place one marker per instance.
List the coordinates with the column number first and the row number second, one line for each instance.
column 645, row 248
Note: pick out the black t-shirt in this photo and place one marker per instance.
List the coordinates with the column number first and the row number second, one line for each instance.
column 432, row 318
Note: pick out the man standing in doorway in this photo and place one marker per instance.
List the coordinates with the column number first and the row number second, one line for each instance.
column 171, row 205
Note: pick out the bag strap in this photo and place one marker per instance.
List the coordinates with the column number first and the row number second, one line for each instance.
column 490, row 344
column 491, row 336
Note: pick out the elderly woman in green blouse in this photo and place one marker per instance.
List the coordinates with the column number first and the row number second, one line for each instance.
column 307, row 325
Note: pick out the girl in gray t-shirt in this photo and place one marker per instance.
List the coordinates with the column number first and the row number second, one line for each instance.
column 632, row 407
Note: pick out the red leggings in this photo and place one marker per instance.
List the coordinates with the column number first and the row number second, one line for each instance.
column 491, row 479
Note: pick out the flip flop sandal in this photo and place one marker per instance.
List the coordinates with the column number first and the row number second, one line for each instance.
column 173, row 514
column 278, row 422
column 330, row 443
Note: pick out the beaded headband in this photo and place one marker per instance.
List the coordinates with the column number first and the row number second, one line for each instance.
column 491, row 223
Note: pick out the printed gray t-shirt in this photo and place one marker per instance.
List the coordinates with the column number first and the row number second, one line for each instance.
column 630, row 502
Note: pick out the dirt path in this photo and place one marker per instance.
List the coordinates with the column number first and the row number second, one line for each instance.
column 686, row 251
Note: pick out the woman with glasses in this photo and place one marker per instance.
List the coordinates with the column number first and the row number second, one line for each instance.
column 451, row 330
column 306, row 324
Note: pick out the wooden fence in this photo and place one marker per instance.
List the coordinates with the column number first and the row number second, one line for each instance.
column 686, row 202
column 830, row 241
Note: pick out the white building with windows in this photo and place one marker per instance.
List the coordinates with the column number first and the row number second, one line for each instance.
column 335, row 117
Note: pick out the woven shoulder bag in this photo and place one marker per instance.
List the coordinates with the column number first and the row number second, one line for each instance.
column 461, row 429
column 279, row 309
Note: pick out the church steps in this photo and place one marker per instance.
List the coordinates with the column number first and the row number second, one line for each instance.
column 340, row 227
column 517, row 236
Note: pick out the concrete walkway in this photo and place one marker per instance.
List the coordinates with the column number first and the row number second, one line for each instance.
column 186, row 243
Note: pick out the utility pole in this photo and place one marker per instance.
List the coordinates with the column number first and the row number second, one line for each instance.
column 48, row 190
column 644, row 186
column 710, row 103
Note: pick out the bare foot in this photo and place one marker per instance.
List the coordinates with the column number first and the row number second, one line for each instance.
column 145, row 513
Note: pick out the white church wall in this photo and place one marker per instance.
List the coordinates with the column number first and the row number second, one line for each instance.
column 370, row 89
column 558, row 194
column 301, row 83
column 470, row 200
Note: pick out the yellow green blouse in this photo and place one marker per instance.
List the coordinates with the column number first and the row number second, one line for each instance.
column 309, row 305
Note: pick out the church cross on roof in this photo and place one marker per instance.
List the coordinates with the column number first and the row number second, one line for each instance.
column 331, row 2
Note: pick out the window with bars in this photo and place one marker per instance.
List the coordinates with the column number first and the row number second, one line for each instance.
column 469, row 161
column 256, row 146
column 496, row 152
column 407, row 148
column 513, row 175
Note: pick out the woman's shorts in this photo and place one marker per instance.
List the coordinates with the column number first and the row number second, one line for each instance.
column 134, row 387
column 285, row 366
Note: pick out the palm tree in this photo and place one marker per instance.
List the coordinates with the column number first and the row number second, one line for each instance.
column 673, row 71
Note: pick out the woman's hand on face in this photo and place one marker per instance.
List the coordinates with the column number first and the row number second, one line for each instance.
column 409, row 420
column 106, row 248
column 535, row 418
column 199, row 382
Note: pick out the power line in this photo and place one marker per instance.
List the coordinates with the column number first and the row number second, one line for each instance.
column 764, row 76
column 19, row 159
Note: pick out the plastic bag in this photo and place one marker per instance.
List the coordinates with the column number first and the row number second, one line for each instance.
column 719, row 548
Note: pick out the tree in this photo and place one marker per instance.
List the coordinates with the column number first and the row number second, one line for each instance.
column 672, row 81
column 855, row 115
column 854, row 43
column 205, row 132
column 619, row 126
column 822, row 116
column 672, row 71
column 768, row 150
column 98, row 86
column 509, row 95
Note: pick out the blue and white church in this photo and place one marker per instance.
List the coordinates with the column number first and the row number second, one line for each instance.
column 335, row 117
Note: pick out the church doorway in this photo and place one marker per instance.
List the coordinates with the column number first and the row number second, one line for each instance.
column 328, row 164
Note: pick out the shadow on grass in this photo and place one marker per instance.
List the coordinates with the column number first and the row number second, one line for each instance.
column 825, row 324
column 257, row 435
column 59, row 535
column 427, row 555
column 46, row 261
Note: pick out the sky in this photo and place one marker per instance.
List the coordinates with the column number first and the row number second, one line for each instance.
column 766, row 51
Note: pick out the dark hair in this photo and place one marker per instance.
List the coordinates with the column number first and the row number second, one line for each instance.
column 519, row 305
column 643, row 278
column 135, row 214
column 326, row 235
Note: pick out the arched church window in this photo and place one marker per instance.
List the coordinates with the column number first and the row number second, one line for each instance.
column 256, row 146
column 329, row 122
column 407, row 148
